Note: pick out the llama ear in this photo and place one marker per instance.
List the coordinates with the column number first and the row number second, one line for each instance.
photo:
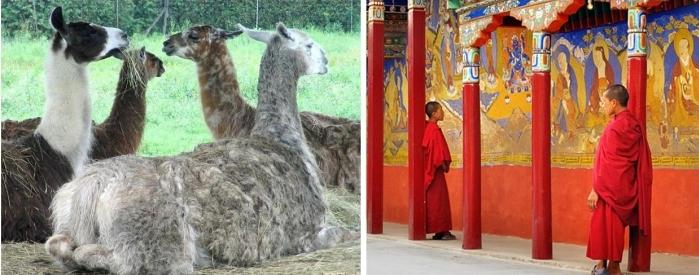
column 283, row 31
column 224, row 34
column 261, row 36
column 57, row 21
column 142, row 53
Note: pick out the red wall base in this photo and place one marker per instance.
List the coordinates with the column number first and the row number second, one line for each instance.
column 506, row 204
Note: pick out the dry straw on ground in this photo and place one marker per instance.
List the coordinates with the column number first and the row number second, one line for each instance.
column 26, row 258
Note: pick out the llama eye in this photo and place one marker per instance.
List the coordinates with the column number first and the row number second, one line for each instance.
column 309, row 46
column 193, row 37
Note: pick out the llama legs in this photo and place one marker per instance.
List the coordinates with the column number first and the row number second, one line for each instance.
column 92, row 257
column 331, row 236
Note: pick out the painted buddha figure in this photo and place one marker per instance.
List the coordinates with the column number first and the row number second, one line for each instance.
column 564, row 109
column 685, row 83
column 602, row 77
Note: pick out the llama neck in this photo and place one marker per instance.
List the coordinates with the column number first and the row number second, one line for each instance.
column 66, row 122
column 277, row 114
column 126, row 121
column 224, row 108
column 277, row 118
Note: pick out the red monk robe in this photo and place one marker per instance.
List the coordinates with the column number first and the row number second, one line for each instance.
column 622, row 178
column 436, row 158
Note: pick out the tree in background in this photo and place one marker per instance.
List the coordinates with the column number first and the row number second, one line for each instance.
column 164, row 16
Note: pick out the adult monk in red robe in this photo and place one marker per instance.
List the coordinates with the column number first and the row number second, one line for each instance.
column 437, row 160
column 622, row 177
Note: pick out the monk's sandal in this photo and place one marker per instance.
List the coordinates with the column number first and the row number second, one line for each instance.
column 599, row 271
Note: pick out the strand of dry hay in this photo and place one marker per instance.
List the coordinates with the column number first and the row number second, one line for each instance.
column 134, row 67
column 343, row 208
column 16, row 164
column 343, row 259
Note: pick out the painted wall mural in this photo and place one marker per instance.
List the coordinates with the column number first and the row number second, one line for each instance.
column 583, row 64
column 506, row 96
column 443, row 82
column 673, row 87
column 444, row 68
column 395, row 88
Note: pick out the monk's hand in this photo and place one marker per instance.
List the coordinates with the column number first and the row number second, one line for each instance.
column 592, row 200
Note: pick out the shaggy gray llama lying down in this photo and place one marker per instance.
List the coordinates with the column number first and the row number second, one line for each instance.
column 238, row 201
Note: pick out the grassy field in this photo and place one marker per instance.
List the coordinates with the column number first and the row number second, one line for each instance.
column 174, row 118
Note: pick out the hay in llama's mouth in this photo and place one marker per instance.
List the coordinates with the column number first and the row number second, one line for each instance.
column 116, row 52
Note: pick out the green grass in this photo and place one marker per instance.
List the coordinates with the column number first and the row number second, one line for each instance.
column 175, row 121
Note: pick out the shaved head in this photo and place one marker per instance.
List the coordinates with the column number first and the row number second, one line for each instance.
column 431, row 107
column 619, row 93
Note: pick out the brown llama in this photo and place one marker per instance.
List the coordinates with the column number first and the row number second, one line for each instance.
column 121, row 132
column 335, row 142
column 35, row 166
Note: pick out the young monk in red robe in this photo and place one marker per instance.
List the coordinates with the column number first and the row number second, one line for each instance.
column 437, row 160
column 622, row 177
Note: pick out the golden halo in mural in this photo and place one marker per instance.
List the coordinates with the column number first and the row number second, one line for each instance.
column 599, row 42
column 683, row 33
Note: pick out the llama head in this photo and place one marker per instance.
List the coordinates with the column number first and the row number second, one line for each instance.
column 296, row 43
column 154, row 66
column 197, row 42
column 85, row 42
column 140, row 65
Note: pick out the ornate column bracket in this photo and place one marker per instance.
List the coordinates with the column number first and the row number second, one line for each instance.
column 546, row 15
column 629, row 4
column 636, row 33
column 472, row 62
column 541, row 52
column 416, row 4
column 476, row 32
column 376, row 11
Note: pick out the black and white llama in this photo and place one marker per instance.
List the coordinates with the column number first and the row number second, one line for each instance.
column 239, row 201
column 122, row 131
column 35, row 166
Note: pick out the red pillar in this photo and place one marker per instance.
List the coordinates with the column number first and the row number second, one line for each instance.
column 542, row 245
column 416, row 119
column 636, row 84
column 639, row 244
column 471, row 215
column 375, row 101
